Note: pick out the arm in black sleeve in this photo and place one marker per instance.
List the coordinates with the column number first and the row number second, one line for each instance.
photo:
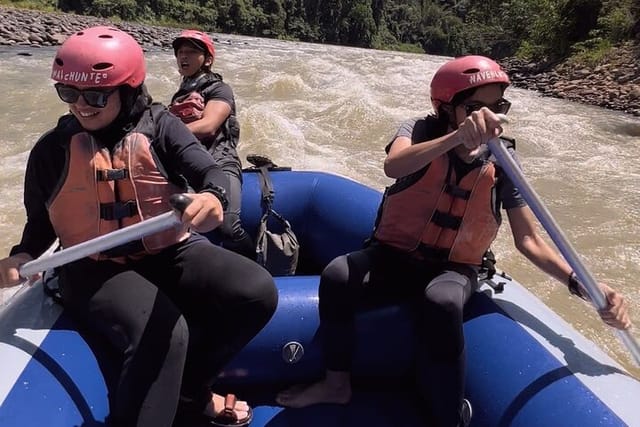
column 181, row 153
column 44, row 167
column 220, row 91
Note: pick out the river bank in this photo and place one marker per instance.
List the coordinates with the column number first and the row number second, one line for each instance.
column 614, row 85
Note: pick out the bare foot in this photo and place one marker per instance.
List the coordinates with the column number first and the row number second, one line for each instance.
column 291, row 391
column 324, row 391
column 241, row 408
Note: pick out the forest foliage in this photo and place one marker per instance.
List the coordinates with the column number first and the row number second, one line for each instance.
column 534, row 29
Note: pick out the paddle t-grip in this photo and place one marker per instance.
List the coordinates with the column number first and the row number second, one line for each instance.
column 503, row 118
column 180, row 202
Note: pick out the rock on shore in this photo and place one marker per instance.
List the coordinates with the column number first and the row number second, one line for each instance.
column 614, row 85
column 24, row 27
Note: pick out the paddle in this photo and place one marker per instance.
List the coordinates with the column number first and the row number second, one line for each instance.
column 105, row 242
column 512, row 170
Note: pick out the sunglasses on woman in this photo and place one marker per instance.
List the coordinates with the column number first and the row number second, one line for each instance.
column 500, row 107
column 96, row 98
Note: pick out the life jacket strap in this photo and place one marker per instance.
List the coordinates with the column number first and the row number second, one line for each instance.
column 446, row 220
column 118, row 210
column 457, row 192
column 112, row 174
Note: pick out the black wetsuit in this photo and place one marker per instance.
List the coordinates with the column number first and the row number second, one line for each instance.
column 175, row 317
column 223, row 146
column 438, row 290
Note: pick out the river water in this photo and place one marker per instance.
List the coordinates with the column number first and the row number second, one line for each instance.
column 322, row 107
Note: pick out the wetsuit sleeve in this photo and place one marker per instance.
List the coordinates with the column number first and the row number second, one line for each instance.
column 420, row 129
column 220, row 91
column 44, row 167
column 181, row 153
column 406, row 130
column 508, row 193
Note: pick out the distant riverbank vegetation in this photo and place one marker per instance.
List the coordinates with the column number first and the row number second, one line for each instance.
column 539, row 30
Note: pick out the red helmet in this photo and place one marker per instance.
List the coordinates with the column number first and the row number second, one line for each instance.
column 99, row 56
column 198, row 38
column 464, row 73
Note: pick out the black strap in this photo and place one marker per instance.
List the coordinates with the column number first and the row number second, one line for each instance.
column 112, row 174
column 268, row 193
column 118, row 210
column 50, row 286
column 446, row 220
column 488, row 266
column 577, row 288
column 457, row 192
column 259, row 161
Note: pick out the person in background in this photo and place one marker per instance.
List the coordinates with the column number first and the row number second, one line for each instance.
column 176, row 307
column 206, row 104
column 434, row 226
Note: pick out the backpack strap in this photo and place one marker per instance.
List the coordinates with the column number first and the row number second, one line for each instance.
column 276, row 250
column 266, row 187
column 268, row 196
column 257, row 161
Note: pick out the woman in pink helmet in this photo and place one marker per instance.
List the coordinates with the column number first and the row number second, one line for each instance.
column 207, row 105
column 432, row 234
column 175, row 307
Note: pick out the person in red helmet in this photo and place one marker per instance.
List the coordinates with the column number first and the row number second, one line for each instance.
column 434, row 228
column 175, row 307
column 207, row 105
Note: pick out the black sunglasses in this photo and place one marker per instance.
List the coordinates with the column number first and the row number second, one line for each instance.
column 500, row 107
column 94, row 97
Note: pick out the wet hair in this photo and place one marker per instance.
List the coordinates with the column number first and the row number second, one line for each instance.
column 134, row 101
column 461, row 96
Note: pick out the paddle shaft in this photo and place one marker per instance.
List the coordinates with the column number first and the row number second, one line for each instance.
column 512, row 170
column 101, row 243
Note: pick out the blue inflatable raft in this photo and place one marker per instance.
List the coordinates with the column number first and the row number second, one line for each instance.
column 526, row 366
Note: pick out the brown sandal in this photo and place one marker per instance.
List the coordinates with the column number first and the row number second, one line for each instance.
column 228, row 417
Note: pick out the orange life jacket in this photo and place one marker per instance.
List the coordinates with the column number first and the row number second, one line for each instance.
column 103, row 192
column 434, row 217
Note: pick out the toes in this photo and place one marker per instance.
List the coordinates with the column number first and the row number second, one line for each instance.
column 293, row 390
column 285, row 398
column 242, row 406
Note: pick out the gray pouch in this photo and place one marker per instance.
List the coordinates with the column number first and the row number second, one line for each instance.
column 277, row 246
column 277, row 251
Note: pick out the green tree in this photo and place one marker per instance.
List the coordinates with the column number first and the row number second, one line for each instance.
column 272, row 17
column 537, row 29
column 440, row 31
column 124, row 9
column 359, row 27
column 620, row 19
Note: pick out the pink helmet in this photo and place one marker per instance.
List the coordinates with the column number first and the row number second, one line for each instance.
column 464, row 73
column 200, row 39
column 99, row 56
